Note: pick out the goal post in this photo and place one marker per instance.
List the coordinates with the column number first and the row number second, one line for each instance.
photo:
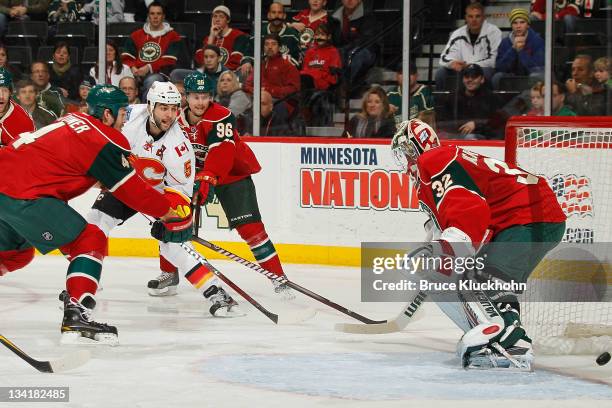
column 574, row 154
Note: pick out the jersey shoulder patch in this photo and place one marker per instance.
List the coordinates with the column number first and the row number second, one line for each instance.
column 216, row 113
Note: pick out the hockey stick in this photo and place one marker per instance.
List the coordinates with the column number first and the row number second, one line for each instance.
column 409, row 313
column 283, row 279
column 228, row 282
column 65, row 363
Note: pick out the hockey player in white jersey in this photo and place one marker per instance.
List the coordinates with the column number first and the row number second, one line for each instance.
column 163, row 156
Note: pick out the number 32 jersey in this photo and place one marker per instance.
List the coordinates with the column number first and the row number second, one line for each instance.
column 463, row 189
column 166, row 162
column 218, row 146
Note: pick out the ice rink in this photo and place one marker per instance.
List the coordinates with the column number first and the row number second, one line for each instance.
column 173, row 354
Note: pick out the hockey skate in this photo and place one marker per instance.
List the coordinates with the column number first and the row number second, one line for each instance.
column 223, row 305
column 164, row 285
column 518, row 357
column 284, row 291
column 79, row 328
column 491, row 346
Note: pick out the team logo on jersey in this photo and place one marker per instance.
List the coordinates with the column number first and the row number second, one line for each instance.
column 150, row 170
column 574, row 194
column 224, row 55
column 47, row 236
column 306, row 37
column 150, row 52
column 200, row 152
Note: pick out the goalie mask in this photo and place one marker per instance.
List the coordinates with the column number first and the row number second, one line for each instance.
column 162, row 92
column 413, row 138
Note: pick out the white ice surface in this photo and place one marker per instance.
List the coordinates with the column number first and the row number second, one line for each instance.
column 172, row 354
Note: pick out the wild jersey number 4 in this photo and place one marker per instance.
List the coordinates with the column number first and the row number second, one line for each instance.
column 30, row 137
column 501, row 167
column 224, row 130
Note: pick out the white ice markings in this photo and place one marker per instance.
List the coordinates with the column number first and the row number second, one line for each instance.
column 392, row 376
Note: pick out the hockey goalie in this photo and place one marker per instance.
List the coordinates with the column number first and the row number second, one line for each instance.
column 470, row 199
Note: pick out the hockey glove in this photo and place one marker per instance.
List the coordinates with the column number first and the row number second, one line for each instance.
column 178, row 229
column 204, row 188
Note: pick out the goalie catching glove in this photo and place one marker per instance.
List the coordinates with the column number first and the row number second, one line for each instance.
column 177, row 229
column 204, row 187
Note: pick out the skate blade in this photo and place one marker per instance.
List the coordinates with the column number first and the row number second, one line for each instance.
column 167, row 291
column 502, row 364
column 286, row 295
column 100, row 339
column 224, row 312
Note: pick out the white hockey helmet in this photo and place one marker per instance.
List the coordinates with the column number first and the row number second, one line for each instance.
column 162, row 92
column 412, row 138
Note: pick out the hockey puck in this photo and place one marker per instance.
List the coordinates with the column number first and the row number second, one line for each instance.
column 603, row 358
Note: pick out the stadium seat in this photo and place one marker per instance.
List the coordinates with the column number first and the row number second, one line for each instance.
column 187, row 31
column 19, row 55
column 514, row 84
column 119, row 32
column 27, row 33
column 45, row 53
column 77, row 34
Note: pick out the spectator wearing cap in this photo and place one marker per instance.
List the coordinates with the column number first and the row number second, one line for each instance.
column 26, row 94
column 63, row 74
column 115, row 69
column 152, row 50
column 81, row 105
column 476, row 42
column 212, row 66
column 521, row 53
column 421, row 101
column 471, row 113
column 232, row 42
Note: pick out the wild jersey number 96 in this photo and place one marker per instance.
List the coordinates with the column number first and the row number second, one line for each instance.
column 224, row 130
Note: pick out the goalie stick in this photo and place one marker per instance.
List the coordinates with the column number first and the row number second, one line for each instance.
column 283, row 279
column 68, row 362
column 410, row 313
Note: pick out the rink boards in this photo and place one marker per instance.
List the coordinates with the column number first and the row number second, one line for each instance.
column 319, row 199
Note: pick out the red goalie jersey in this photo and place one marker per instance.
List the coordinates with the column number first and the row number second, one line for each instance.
column 465, row 190
column 218, row 147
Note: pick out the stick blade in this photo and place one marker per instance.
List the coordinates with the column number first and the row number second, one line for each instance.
column 70, row 361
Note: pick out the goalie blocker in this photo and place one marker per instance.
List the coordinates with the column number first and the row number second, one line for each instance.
column 466, row 195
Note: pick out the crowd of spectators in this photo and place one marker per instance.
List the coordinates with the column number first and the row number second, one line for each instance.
column 314, row 61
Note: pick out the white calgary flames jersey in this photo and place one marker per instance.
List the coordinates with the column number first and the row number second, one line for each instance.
column 167, row 162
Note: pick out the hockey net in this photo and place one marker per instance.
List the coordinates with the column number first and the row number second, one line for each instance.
column 575, row 156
